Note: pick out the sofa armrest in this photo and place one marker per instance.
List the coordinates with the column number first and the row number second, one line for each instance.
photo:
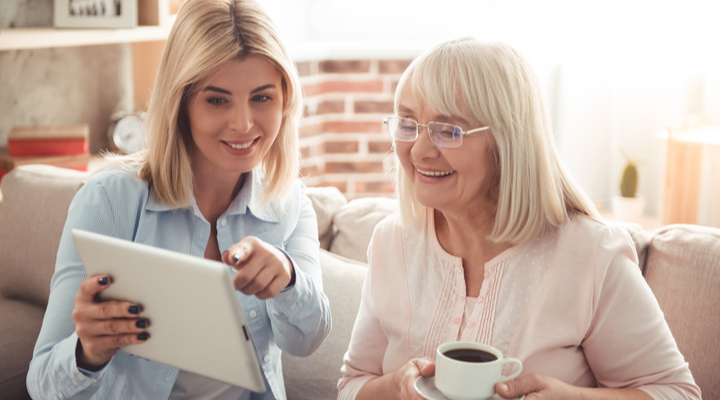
column 683, row 271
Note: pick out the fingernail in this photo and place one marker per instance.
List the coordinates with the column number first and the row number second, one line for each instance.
column 133, row 309
column 140, row 324
column 103, row 281
column 236, row 258
column 503, row 387
column 142, row 336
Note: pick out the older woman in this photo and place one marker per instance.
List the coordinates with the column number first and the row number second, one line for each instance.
column 217, row 180
column 496, row 244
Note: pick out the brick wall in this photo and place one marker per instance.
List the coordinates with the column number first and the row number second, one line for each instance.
column 341, row 137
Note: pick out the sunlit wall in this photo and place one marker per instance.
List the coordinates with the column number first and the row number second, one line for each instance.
column 614, row 72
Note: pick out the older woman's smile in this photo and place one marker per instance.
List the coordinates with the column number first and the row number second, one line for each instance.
column 434, row 174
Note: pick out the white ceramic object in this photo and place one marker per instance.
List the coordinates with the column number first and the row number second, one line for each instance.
column 628, row 209
column 462, row 380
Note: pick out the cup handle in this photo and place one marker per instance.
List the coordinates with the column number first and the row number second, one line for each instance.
column 515, row 374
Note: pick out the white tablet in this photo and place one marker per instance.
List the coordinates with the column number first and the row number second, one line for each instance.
column 196, row 323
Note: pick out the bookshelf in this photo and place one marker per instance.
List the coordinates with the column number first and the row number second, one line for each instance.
column 155, row 19
column 38, row 38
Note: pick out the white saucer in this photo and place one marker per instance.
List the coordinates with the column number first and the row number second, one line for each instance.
column 425, row 386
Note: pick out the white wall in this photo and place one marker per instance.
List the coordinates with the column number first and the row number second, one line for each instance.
column 615, row 71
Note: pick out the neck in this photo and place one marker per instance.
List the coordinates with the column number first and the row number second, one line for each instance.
column 465, row 235
column 213, row 194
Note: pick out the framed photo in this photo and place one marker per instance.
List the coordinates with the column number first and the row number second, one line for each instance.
column 96, row 13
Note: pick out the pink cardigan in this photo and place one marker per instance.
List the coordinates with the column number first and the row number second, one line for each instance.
column 572, row 304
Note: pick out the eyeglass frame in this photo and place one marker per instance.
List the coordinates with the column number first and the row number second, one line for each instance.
column 427, row 126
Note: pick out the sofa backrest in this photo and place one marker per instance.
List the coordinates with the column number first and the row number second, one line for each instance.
column 683, row 271
column 315, row 377
column 32, row 215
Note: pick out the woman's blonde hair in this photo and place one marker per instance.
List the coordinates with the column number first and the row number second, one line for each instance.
column 206, row 35
column 493, row 84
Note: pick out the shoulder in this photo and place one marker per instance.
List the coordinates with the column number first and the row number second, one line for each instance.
column 118, row 180
column 583, row 228
column 604, row 243
column 388, row 227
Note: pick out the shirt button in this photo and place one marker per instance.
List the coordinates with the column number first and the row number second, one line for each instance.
column 470, row 324
column 253, row 314
column 457, row 321
column 288, row 297
column 80, row 376
column 292, row 307
column 487, row 274
column 480, row 299
column 266, row 358
column 223, row 222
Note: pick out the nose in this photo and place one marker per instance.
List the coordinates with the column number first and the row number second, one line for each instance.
column 241, row 118
column 423, row 147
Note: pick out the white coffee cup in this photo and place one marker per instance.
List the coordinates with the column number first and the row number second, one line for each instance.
column 466, row 380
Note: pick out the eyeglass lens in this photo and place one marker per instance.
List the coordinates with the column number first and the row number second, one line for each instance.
column 444, row 135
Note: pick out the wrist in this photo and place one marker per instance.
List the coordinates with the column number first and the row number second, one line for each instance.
column 82, row 361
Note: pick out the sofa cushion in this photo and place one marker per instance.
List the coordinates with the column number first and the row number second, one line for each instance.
column 683, row 271
column 32, row 215
column 18, row 331
column 316, row 377
column 354, row 225
column 326, row 201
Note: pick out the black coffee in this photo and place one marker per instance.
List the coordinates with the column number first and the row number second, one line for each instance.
column 470, row 355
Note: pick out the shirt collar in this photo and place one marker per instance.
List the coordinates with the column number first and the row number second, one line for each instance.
column 248, row 199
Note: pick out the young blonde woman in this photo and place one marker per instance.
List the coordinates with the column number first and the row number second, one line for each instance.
column 496, row 244
column 217, row 180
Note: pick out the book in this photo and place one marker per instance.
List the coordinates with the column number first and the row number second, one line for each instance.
column 48, row 140
column 78, row 162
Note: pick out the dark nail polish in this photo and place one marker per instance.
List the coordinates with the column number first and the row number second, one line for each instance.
column 133, row 309
column 142, row 336
column 235, row 258
column 103, row 281
column 140, row 324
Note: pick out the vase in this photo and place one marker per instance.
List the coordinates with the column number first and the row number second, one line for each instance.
column 628, row 209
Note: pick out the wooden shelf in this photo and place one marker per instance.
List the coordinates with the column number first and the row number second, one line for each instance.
column 38, row 38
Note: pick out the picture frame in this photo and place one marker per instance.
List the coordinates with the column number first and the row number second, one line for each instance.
column 96, row 13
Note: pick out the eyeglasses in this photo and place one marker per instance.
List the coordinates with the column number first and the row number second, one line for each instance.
column 442, row 134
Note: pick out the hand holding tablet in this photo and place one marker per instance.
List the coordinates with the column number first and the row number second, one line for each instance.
column 103, row 327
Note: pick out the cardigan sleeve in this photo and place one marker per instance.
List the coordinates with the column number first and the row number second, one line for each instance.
column 364, row 358
column 629, row 344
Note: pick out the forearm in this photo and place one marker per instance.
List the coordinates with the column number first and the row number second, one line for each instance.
column 381, row 388
column 612, row 394
column 300, row 316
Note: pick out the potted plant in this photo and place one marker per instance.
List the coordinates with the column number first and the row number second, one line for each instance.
column 628, row 206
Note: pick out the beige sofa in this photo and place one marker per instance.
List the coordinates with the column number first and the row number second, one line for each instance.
column 681, row 263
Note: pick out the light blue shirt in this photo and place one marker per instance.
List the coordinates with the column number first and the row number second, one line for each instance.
column 117, row 203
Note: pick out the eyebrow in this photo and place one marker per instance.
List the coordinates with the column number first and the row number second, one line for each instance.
column 261, row 88
column 219, row 90
column 404, row 109
column 438, row 118
column 216, row 89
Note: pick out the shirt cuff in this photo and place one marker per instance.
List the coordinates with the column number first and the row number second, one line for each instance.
column 82, row 374
column 293, row 298
column 70, row 377
column 293, row 273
